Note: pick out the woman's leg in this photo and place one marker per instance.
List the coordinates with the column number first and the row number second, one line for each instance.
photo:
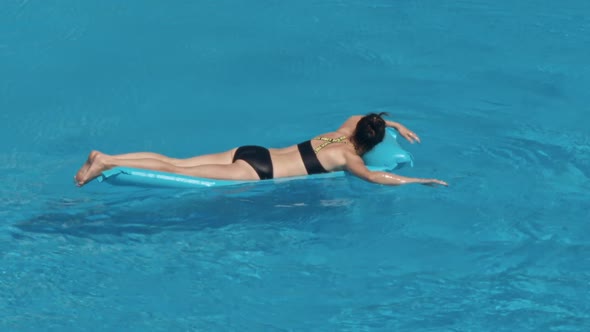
column 240, row 170
column 214, row 158
column 222, row 158
column 143, row 155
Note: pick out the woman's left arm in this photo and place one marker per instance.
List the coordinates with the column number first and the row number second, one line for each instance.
column 402, row 130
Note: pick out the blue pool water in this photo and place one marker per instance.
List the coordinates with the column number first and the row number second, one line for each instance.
column 497, row 90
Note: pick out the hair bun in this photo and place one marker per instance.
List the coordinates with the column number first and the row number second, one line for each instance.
column 377, row 122
column 369, row 131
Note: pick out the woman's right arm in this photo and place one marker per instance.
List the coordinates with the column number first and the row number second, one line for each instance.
column 356, row 166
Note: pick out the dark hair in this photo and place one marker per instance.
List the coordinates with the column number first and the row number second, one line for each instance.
column 369, row 132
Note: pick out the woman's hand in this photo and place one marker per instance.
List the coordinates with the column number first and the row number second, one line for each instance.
column 433, row 182
column 408, row 134
column 402, row 130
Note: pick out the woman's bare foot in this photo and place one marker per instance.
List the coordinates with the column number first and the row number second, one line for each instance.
column 95, row 165
column 85, row 167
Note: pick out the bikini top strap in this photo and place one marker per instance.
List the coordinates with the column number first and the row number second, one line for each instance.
column 328, row 141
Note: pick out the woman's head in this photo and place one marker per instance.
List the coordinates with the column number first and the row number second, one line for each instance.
column 369, row 132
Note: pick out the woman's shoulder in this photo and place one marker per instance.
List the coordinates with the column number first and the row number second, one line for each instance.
column 350, row 124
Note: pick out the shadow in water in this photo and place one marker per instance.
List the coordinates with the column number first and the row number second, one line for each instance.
column 292, row 204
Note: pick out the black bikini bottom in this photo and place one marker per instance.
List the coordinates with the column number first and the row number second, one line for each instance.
column 257, row 157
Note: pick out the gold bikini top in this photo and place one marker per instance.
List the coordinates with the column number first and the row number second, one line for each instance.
column 328, row 141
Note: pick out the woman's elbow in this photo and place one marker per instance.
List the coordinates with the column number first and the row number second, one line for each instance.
column 373, row 177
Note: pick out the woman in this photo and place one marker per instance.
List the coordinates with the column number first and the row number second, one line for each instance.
column 339, row 150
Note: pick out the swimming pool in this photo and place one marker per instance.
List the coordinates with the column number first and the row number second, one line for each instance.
column 497, row 91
